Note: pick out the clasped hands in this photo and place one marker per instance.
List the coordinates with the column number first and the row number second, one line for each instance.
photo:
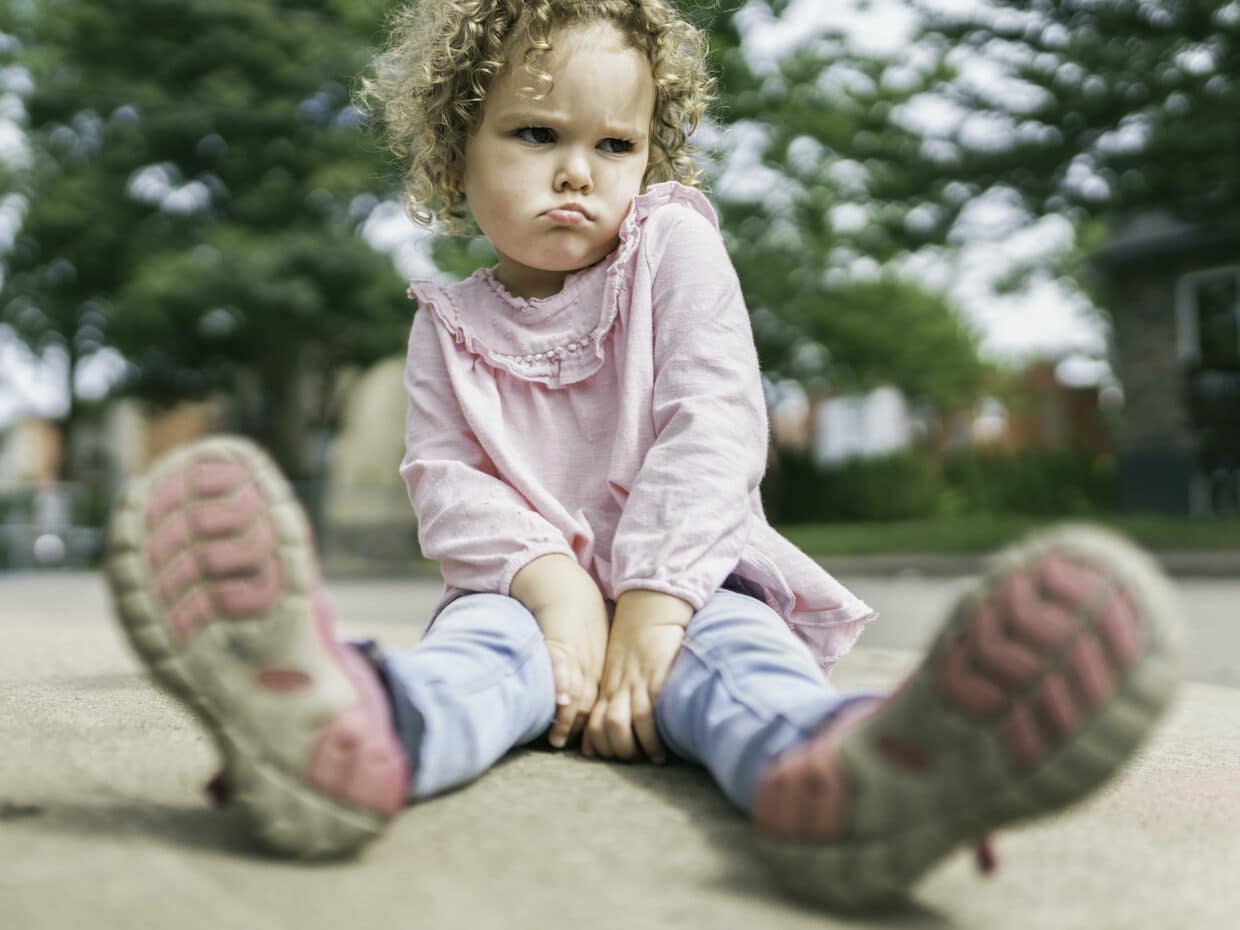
column 607, row 677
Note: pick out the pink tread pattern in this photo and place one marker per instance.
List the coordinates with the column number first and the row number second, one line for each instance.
column 211, row 546
column 1039, row 655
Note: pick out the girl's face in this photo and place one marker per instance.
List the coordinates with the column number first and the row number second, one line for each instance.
column 550, row 181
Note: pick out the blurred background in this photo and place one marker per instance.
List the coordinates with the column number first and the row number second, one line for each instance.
column 991, row 252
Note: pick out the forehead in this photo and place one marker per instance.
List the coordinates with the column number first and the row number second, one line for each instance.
column 592, row 67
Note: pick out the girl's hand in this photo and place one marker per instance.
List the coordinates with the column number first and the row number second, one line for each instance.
column 576, row 638
column 645, row 636
column 572, row 615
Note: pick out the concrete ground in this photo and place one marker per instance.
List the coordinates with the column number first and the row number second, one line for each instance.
column 103, row 824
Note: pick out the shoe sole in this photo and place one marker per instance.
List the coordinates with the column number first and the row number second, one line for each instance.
column 270, row 734
column 991, row 766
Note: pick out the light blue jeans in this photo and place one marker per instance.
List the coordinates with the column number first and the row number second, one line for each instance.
column 740, row 691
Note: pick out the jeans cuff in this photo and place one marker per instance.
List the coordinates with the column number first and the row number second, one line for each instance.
column 407, row 718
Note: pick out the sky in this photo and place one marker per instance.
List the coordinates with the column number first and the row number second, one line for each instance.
column 1049, row 318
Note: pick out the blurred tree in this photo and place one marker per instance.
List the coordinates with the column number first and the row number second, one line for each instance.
column 1090, row 108
column 834, row 193
column 193, row 200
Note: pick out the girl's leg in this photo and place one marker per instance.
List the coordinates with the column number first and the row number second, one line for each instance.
column 214, row 580
column 479, row 683
column 741, row 691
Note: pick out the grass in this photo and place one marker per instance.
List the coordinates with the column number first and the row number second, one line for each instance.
column 976, row 534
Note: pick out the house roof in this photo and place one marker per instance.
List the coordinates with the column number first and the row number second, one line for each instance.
column 1158, row 234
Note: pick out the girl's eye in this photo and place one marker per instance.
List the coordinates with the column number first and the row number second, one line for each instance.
column 616, row 146
column 538, row 135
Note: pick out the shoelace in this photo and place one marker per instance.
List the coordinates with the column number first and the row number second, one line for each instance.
column 218, row 789
column 984, row 855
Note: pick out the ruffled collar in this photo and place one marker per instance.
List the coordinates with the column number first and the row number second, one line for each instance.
column 556, row 340
column 535, row 309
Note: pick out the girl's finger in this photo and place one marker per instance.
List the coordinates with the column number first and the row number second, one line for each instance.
column 618, row 723
column 583, row 709
column 646, row 729
column 562, row 724
column 597, row 731
column 586, row 749
column 585, row 704
column 575, row 685
column 560, row 675
column 563, row 699
column 578, row 727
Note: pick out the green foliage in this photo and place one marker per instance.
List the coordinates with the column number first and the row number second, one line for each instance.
column 825, row 114
column 1042, row 483
column 904, row 486
column 986, row 533
column 290, row 311
column 892, row 331
column 241, row 107
column 1143, row 95
column 915, row 484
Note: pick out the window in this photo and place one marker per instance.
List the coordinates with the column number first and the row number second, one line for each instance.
column 1208, row 336
column 1208, row 318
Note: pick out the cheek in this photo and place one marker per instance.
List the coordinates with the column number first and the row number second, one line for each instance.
column 486, row 195
column 504, row 198
column 626, row 180
column 507, row 184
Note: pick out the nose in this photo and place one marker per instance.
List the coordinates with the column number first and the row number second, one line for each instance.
column 573, row 172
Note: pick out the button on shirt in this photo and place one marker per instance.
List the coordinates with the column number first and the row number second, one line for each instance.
column 620, row 421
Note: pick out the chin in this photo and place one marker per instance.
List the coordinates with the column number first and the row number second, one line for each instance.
column 570, row 262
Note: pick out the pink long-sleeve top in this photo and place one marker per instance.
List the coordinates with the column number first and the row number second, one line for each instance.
column 620, row 421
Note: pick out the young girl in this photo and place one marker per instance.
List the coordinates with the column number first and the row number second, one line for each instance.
column 585, row 440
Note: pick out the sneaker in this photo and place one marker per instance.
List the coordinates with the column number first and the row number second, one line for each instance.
column 1045, row 678
column 213, row 576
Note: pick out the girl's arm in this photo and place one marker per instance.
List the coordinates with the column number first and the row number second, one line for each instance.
column 571, row 613
column 686, row 519
column 478, row 528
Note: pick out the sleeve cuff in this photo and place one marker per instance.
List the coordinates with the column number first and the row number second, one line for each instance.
column 692, row 596
column 524, row 558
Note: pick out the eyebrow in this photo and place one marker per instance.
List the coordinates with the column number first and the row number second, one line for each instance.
column 530, row 118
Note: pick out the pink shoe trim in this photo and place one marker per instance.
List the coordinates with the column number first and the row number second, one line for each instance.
column 803, row 795
column 282, row 679
column 358, row 757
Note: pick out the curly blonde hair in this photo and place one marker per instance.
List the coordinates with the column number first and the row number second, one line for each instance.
column 431, row 80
